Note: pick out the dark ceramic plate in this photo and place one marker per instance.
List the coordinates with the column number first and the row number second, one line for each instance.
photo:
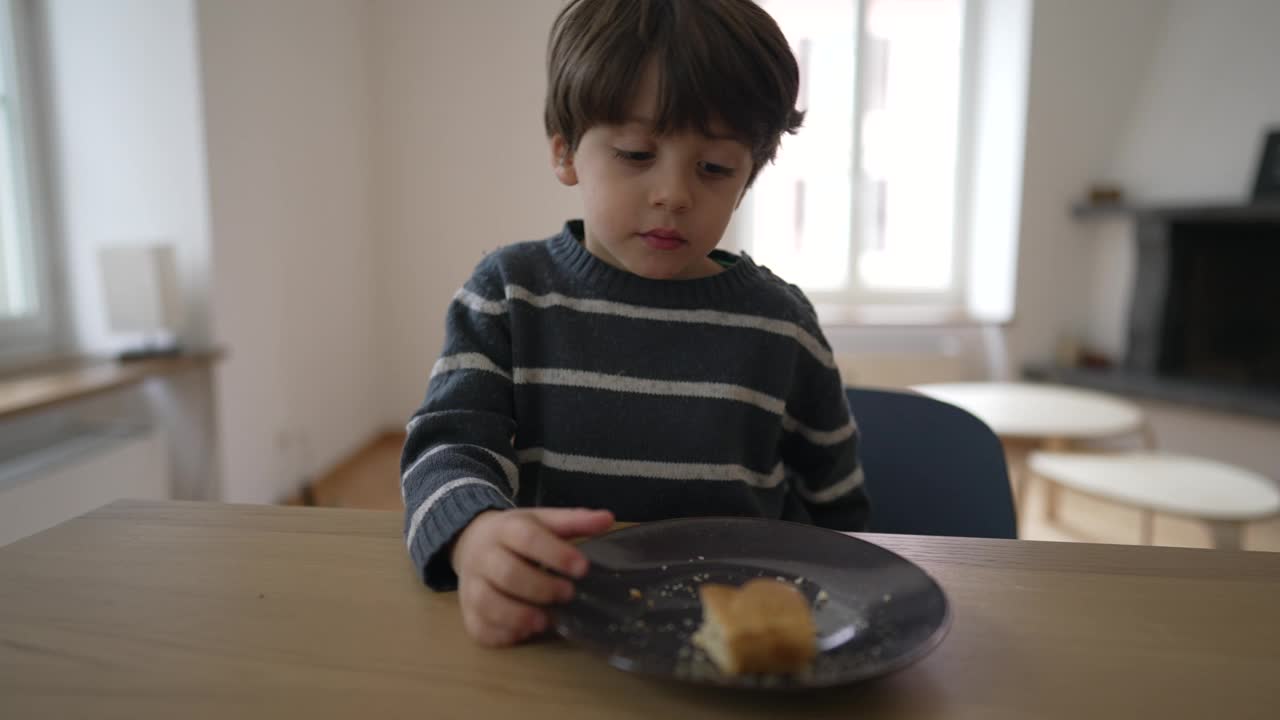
column 641, row 611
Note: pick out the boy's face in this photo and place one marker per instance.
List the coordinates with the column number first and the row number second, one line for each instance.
column 654, row 205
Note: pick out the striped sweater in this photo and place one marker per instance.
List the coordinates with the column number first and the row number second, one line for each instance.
column 567, row 382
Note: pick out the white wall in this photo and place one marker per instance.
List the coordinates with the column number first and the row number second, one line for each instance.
column 125, row 134
column 461, row 165
column 362, row 156
column 1088, row 61
column 1167, row 98
column 127, row 142
column 286, row 92
column 1108, row 284
column 1194, row 135
column 1212, row 89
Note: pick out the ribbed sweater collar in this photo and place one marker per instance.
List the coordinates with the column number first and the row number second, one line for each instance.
column 573, row 258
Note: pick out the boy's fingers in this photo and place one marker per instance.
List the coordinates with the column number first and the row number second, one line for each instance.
column 526, row 537
column 514, row 576
column 494, row 635
column 574, row 522
column 498, row 610
column 485, row 633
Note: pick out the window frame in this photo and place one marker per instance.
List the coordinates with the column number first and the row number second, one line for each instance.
column 36, row 336
column 947, row 303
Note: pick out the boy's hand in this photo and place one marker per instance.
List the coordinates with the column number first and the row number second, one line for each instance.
column 499, row 584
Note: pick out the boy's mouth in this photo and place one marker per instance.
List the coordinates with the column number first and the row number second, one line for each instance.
column 662, row 238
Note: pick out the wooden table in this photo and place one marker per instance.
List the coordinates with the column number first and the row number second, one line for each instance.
column 1041, row 412
column 167, row 610
column 1222, row 496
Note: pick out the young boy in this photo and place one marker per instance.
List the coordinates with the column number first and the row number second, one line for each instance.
column 625, row 364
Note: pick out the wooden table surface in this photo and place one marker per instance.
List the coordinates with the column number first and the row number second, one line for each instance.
column 190, row 610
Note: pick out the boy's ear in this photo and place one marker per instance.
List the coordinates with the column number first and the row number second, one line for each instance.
column 562, row 161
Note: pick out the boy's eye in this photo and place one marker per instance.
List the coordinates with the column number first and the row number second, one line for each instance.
column 636, row 156
column 714, row 169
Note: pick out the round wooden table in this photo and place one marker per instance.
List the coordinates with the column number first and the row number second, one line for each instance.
column 1222, row 496
column 1035, row 412
column 1035, row 416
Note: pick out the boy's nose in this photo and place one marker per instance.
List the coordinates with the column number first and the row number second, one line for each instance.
column 671, row 192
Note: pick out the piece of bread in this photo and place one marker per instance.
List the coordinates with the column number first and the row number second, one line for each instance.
column 763, row 627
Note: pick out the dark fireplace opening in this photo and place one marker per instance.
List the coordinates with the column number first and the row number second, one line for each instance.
column 1221, row 310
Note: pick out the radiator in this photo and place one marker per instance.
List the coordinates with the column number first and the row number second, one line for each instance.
column 54, row 476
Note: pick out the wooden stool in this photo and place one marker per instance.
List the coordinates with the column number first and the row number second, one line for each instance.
column 1223, row 496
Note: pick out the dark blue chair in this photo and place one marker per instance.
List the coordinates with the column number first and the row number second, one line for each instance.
column 930, row 467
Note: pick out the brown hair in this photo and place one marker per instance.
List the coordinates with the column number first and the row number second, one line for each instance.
column 720, row 60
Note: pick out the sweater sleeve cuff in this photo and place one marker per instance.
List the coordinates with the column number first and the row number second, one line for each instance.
column 848, row 514
column 440, row 519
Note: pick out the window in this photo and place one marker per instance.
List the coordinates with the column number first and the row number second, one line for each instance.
column 25, row 312
column 862, row 203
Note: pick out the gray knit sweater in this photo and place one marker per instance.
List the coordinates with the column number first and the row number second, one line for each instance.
column 567, row 382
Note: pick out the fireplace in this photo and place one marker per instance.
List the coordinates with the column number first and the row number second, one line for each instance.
column 1206, row 303
column 1204, row 322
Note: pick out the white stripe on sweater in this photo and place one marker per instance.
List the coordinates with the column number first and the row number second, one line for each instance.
column 651, row 468
column 821, row 438
column 833, row 492
column 683, row 388
column 415, row 521
column 480, row 304
column 467, row 361
column 645, row 386
column 703, row 317
column 648, row 386
column 509, row 469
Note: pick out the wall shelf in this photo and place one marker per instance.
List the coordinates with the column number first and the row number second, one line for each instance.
column 1218, row 212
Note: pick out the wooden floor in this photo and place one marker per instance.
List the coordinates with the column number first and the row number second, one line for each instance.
column 370, row 479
